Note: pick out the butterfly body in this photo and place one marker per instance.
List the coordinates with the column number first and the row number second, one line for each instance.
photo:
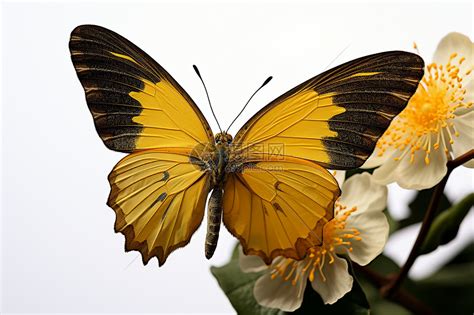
column 269, row 184
column 217, row 166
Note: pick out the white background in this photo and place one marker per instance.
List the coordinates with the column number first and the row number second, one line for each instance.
column 59, row 251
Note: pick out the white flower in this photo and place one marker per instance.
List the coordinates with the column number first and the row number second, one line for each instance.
column 359, row 230
column 436, row 125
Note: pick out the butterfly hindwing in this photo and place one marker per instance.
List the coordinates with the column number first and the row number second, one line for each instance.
column 278, row 206
column 158, row 197
column 135, row 103
column 336, row 118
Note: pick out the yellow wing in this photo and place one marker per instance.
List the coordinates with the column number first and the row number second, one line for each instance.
column 278, row 206
column 277, row 199
column 135, row 103
column 336, row 118
column 158, row 197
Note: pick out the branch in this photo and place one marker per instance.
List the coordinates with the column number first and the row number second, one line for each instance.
column 390, row 288
column 460, row 160
column 401, row 297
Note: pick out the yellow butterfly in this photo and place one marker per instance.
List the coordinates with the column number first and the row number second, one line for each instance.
column 269, row 182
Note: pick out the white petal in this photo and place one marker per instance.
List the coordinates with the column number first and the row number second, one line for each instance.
column 465, row 141
column 417, row 175
column 278, row 293
column 340, row 176
column 250, row 263
column 362, row 192
column 469, row 86
column 373, row 228
column 375, row 159
column 386, row 173
column 455, row 43
column 338, row 281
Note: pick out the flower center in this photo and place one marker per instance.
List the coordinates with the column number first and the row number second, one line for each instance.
column 336, row 234
column 427, row 121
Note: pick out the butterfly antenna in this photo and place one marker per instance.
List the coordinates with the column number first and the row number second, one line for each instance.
column 264, row 83
column 207, row 94
column 338, row 55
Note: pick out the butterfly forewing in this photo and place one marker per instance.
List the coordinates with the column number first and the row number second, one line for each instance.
column 336, row 118
column 135, row 103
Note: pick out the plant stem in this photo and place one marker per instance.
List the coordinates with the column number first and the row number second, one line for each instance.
column 390, row 288
column 460, row 160
column 402, row 296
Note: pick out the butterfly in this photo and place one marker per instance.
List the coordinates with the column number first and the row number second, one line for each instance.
column 269, row 184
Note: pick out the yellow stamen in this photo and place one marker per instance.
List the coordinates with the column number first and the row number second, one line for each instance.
column 426, row 122
column 336, row 235
column 415, row 47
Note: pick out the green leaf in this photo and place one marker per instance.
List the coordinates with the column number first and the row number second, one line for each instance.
column 457, row 275
column 393, row 224
column 446, row 225
column 378, row 305
column 238, row 287
column 418, row 207
column 465, row 256
column 384, row 265
column 385, row 307
column 450, row 290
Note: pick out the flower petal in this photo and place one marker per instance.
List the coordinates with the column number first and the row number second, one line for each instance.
column 340, row 176
column 375, row 159
column 362, row 192
column 465, row 141
column 419, row 175
column 250, row 263
column 469, row 86
column 278, row 293
column 413, row 175
column 386, row 173
column 455, row 43
column 373, row 228
column 338, row 281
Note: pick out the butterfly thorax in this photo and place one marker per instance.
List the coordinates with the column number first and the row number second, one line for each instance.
column 213, row 158
column 223, row 142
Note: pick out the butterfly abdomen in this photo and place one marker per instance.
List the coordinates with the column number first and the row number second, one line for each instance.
column 214, row 215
